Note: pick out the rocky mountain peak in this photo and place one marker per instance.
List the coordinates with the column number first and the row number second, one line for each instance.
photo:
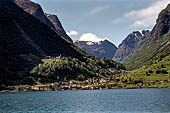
column 49, row 19
column 104, row 48
column 129, row 44
column 35, row 10
column 162, row 24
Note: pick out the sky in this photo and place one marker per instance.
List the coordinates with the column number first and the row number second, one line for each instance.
column 95, row 20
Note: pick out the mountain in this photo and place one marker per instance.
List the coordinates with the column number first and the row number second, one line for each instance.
column 49, row 19
column 25, row 42
column 58, row 26
column 155, row 43
column 100, row 49
column 35, row 10
column 163, row 24
column 129, row 45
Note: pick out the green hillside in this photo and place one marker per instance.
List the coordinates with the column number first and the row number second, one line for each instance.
column 67, row 68
column 157, row 71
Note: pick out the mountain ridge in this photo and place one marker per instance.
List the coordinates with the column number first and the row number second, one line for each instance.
column 101, row 49
column 156, row 42
column 58, row 26
column 129, row 45
column 36, row 10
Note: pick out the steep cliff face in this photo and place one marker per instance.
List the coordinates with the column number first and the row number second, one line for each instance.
column 36, row 10
column 129, row 45
column 100, row 49
column 58, row 26
column 155, row 43
column 162, row 25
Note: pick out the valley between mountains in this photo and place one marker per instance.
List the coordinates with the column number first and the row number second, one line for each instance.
column 36, row 53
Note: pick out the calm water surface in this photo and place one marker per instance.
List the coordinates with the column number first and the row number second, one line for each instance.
column 98, row 101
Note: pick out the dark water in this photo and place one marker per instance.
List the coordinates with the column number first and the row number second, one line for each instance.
column 99, row 101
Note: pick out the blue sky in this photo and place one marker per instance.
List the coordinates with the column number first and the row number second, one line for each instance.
column 99, row 19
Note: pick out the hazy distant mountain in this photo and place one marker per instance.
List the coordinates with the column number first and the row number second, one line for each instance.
column 155, row 43
column 100, row 49
column 129, row 45
column 49, row 19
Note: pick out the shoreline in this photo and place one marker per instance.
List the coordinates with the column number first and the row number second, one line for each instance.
column 15, row 91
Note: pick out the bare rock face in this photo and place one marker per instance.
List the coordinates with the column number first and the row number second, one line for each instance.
column 58, row 26
column 162, row 25
column 36, row 10
column 129, row 45
column 102, row 49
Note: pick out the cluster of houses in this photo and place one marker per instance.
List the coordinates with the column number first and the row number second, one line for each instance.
column 91, row 84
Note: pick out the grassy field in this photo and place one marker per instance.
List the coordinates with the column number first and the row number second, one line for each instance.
column 156, row 70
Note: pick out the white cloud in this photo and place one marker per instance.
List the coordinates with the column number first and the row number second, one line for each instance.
column 97, row 10
column 72, row 33
column 92, row 37
column 146, row 17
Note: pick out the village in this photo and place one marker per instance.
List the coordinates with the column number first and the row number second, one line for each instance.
column 90, row 84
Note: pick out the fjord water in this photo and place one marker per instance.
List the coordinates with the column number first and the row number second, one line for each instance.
column 97, row 101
